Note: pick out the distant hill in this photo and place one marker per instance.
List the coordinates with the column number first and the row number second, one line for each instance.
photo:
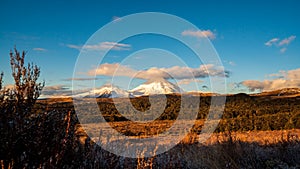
column 201, row 93
column 164, row 87
column 285, row 92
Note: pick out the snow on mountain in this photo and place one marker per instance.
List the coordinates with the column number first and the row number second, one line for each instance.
column 105, row 91
column 155, row 86
column 151, row 87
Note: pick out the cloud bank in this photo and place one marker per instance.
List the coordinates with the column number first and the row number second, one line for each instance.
column 56, row 91
column 287, row 41
column 189, row 81
column 80, row 79
column 175, row 72
column 102, row 46
column 199, row 34
column 40, row 49
column 283, row 79
column 281, row 44
column 271, row 42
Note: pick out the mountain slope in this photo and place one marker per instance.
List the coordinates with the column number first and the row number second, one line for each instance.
column 105, row 91
column 155, row 86
column 280, row 92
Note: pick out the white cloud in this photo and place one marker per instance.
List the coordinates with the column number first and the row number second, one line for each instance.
column 231, row 63
column 116, row 18
column 176, row 72
column 287, row 41
column 40, row 49
column 189, row 81
column 80, row 79
column 49, row 91
column 293, row 74
column 280, row 74
column 74, row 46
column 114, row 69
column 271, row 42
column 102, row 46
column 55, row 87
column 62, row 91
column 56, row 91
column 281, row 44
column 286, row 79
column 199, row 34
column 282, row 50
column 153, row 73
column 254, row 84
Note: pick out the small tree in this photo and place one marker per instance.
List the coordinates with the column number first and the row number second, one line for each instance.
column 27, row 89
column 16, row 108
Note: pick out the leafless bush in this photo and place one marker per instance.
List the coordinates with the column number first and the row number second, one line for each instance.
column 16, row 105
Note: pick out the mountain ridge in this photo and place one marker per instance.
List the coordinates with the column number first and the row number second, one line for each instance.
column 156, row 86
column 163, row 86
column 280, row 92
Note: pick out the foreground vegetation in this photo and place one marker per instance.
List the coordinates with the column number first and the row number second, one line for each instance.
column 53, row 138
column 47, row 133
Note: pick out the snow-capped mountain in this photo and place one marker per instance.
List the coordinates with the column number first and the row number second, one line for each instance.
column 151, row 87
column 105, row 91
column 155, row 86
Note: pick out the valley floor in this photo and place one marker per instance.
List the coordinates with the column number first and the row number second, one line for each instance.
column 141, row 130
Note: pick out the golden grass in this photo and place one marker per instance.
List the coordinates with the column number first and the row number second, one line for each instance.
column 260, row 137
column 139, row 130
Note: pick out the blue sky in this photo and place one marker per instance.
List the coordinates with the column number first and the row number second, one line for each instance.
column 50, row 32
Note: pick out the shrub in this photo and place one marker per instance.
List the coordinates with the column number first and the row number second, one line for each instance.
column 16, row 106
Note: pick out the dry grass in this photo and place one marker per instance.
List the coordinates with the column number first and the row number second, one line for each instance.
column 253, row 149
column 157, row 127
column 260, row 137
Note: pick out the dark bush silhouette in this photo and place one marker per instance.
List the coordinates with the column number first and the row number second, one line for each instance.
column 16, row 105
